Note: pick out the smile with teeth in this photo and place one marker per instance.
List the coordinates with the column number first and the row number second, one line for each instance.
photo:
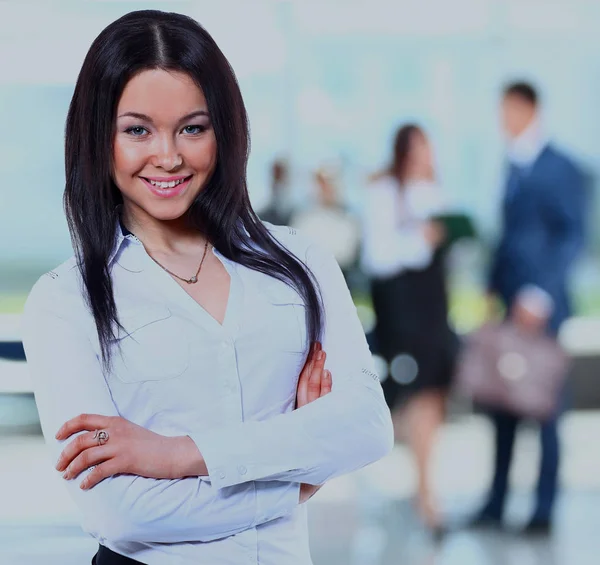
column 169, row 184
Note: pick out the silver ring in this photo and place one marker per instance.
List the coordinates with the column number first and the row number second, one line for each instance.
column 102, row 436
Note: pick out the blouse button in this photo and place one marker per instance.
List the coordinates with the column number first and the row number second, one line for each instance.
column 242, row 470
column 222, row 474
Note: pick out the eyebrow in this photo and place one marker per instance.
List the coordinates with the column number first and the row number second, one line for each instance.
column 148, row 119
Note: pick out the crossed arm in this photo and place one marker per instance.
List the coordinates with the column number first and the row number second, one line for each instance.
column 146, row 499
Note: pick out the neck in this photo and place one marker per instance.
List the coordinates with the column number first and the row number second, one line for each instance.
column 526, row 147
column 418, row 174
column 531, row 129
column 163, row 236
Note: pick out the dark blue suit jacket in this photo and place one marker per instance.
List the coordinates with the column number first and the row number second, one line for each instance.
column 543, row 231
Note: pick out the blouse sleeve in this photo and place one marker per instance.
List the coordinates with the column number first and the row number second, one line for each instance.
column 336, row 434
column 68, row 381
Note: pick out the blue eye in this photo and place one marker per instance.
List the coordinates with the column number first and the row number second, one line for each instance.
column 136, row 131
column 194, row 130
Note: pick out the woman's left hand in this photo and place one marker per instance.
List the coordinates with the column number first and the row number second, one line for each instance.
column 129, row 449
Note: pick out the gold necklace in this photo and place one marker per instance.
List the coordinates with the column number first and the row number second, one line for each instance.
column 194, row 279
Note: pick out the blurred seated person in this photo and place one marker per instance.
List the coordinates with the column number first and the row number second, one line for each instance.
column 278, row 210
column 328, row 221
column 403, row 255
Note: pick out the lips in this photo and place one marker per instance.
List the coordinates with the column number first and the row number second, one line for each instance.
column 166, row 182
column 167, row 187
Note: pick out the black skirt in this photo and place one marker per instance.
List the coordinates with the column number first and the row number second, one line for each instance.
column 106, row 556
column 412, row 331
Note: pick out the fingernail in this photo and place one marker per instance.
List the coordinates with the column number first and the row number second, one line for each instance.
column 327, row 374
column 66, row 475
column 320, row 356
column 83, row 486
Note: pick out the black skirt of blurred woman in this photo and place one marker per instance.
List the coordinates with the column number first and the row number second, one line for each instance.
column 403, row 254
column 412, row 322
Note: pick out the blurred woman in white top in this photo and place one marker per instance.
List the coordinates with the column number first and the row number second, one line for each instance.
column 403, row 254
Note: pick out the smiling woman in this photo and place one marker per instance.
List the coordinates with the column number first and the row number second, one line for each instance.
column 178, row 359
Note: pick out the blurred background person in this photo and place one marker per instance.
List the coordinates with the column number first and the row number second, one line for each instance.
column 542, row 235
column 403, row 255
column 328, row 221
column 278, row 210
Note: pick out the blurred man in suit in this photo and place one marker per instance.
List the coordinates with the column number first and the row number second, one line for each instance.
column 542, row 234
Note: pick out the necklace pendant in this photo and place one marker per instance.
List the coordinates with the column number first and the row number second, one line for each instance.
column 193, row 280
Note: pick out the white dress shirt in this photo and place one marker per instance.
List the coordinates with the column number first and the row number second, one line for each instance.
column 230, row 387
column 393, row 239
column 524, row 149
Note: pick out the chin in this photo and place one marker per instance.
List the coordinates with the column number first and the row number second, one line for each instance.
column 168, row 211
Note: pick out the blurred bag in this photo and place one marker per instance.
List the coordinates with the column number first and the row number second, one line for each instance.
column 503, row 367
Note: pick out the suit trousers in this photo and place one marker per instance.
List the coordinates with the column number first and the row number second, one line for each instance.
column 505, row 427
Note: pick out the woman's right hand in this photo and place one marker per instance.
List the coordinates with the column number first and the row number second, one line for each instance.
column 314, row 382
column 434, row 233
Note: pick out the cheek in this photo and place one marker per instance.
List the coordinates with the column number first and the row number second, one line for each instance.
column 426, row 154
column 420, row 154
column 203, row 156
column 128, row 159
column 511, row 119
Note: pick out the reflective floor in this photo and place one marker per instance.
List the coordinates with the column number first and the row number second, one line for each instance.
column 362, row 519
column 339, row 536
column 393, row 538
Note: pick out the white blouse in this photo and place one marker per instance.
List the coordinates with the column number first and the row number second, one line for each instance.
column 393, row 239
column 230, row 387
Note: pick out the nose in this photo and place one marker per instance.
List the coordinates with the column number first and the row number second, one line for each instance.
column 166, row 154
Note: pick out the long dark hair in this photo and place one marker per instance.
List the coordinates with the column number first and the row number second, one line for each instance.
column 136, row 42
column 402, row 146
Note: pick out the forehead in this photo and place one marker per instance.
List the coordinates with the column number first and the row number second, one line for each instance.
column 417, row 136
column 162, row 95
column 515, row 101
